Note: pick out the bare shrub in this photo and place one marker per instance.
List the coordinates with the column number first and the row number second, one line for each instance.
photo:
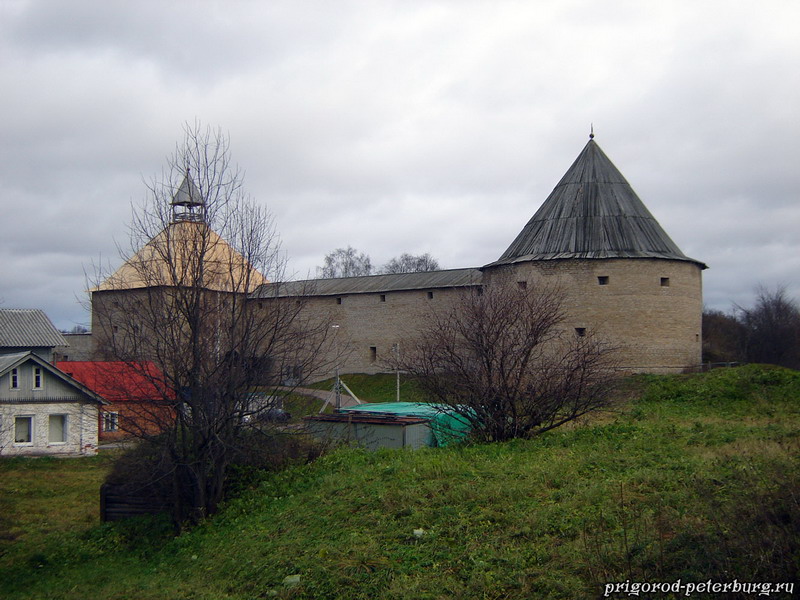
column 501, row 360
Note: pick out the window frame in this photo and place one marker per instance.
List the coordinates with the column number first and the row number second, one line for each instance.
column 37, row 378
column 110, row 417
column 64, row 426
column 31, row 426
column 13, row 379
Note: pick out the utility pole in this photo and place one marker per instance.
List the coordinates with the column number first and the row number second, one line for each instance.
column 396, row 350
column 337, row 386
column 337, row 389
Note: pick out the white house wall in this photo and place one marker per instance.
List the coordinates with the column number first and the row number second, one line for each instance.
column 82, row 423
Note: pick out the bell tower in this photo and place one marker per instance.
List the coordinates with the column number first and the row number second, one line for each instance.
column 188, row 203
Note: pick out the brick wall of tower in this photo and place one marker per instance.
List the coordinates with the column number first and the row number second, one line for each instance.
column 370, row 321
column 652, row 308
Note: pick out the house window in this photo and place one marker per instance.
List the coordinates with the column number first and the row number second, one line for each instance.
column 373, row 353
column 602, row 280
column 430, row 295
column 383, row 297
column 37, row 378
column 57, row 431
column 665, row 282
column 23, row 430
column 14, row 379
column 580, row 331
column 110, row 421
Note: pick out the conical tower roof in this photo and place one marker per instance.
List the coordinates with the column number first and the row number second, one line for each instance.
column 188, row 203
column 593, row 212
column 186, row 253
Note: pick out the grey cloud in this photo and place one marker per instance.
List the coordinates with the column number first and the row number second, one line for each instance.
column 422, row 127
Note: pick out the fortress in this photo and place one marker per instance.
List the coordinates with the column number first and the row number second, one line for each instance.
column 622, row 276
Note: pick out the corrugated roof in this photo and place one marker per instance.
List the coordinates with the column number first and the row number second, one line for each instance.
column 425, row 280
column 9, row 360
column 118, row 381
column 28, row 328
column 593, row 212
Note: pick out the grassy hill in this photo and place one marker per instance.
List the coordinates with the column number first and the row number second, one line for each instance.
column 694, row 477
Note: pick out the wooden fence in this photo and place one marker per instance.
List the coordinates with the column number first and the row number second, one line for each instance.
column 116, row 504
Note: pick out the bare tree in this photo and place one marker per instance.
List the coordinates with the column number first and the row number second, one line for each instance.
column 500, row 361
column 772, row 328
column 199, row 247
column 408, row 263
column 723, row 337
column 345, row 262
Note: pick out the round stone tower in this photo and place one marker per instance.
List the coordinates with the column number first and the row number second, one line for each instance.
column 622, row 276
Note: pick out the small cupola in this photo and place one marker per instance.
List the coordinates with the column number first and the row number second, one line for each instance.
column 188, row 203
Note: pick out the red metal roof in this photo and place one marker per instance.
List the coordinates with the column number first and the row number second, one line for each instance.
column 118, row 381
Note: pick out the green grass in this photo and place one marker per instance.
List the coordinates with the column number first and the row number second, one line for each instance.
column 45, row 499
column 695, row 478
column 368, row 388
column 377, row 388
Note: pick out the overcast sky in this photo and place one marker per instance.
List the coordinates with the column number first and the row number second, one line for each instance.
column 400, row 126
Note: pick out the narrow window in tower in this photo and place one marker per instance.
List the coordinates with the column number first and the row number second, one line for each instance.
column 523, row 285
column 580, row 331
column 338, row 300
column 430, row 295
column 602, row 280
column 665, row 282
column 383, row 297
column 373, row 353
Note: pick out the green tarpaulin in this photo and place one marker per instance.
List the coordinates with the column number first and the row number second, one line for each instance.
column 446, row 426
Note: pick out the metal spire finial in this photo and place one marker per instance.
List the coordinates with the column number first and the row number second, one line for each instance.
column 591, row 131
